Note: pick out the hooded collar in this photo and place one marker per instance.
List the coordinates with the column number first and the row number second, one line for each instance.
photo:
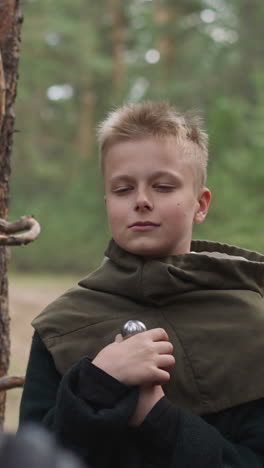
column 158, row 281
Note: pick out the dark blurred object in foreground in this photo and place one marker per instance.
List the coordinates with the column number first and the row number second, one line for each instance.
column 33, row 447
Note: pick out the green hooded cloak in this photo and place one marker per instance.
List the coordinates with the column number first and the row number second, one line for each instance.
column 209, row 301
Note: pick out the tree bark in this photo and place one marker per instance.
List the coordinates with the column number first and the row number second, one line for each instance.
column 10, row 26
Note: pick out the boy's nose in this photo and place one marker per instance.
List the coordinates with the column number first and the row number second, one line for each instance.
column 143, row 202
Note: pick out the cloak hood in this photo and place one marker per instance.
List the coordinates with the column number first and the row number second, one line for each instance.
column 209, row 301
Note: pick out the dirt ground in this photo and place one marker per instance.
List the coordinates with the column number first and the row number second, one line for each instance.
column 28, row 295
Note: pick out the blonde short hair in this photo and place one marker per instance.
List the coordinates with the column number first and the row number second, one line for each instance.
column 158, row 119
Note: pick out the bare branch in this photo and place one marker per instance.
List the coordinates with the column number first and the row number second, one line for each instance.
column 8, row 230
column 6, row 383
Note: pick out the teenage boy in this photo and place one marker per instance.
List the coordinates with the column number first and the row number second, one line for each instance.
column 202, row 303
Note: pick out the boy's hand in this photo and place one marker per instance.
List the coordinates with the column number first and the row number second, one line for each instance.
column 148, row 397
column 143, row 359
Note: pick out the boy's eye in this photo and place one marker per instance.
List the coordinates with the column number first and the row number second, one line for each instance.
column 121, row 190
column 164, row 187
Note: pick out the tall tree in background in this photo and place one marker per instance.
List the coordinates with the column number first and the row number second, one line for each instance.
column 87, row 57
column 10, row 23
column 117, row 40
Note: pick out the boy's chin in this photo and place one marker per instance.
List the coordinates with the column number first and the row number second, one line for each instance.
column 150, row 248
column 147, row 250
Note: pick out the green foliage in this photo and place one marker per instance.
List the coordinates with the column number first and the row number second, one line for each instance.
column 200, row 54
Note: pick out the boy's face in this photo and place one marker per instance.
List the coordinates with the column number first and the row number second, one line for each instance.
column 150, row 197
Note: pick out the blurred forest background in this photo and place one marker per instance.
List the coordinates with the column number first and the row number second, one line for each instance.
column 80, row 59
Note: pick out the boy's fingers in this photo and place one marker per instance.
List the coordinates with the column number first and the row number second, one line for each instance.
column 158, row 334
column 118, row 338
column 161, row 377
column 164, row 347
column 165, row 360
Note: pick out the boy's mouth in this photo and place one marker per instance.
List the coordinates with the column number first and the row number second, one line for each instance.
column 143, row 226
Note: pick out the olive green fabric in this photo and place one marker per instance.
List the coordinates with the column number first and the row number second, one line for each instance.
column 210, row 302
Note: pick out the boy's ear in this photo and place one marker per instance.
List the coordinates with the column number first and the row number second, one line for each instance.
column 203, row 200
column 104, row 199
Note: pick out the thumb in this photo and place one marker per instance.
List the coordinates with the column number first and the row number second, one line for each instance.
column 118, row 338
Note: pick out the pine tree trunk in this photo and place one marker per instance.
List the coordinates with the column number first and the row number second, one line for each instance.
column 117, row 40
column 10, row 25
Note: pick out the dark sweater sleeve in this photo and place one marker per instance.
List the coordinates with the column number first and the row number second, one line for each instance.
column 86, row 408
column 234, row 438
column 89, row 412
